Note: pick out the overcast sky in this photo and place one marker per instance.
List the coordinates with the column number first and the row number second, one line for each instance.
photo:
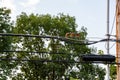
column 89, row 13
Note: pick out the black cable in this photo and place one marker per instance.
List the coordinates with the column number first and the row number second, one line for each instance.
column 63, row 61
column 41, row 52
column 29, row 35
column 67, row 40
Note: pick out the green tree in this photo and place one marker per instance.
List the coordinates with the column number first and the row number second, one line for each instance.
column 54, row 26
column 85, row 71
column 113, row 72
column 5, row 44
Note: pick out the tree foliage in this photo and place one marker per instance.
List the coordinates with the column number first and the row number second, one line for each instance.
column 54, row 26
column 5, row 44
column 113, row 72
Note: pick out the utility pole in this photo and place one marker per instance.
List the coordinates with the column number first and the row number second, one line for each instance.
column 118, row 37
column 108, row 36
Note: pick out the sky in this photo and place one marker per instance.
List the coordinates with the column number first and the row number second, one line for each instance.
column 91, row 14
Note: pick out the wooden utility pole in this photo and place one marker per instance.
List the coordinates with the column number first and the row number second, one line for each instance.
column 118, row 37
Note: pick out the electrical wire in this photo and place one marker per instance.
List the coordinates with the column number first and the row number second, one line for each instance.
column 67, row 40
column 111, row 33
column 63, row 61
column 40, row 52
column 112, row 28
column 46, row 60
column 114, row 19
column 113, row 24
column 112, row 45
column 94, row 38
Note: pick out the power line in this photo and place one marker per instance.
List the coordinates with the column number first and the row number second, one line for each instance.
column 113, row 24
column 112, row 45
column 95, row 38
column 63, row 61
column 67, row 40
column 41, row 52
